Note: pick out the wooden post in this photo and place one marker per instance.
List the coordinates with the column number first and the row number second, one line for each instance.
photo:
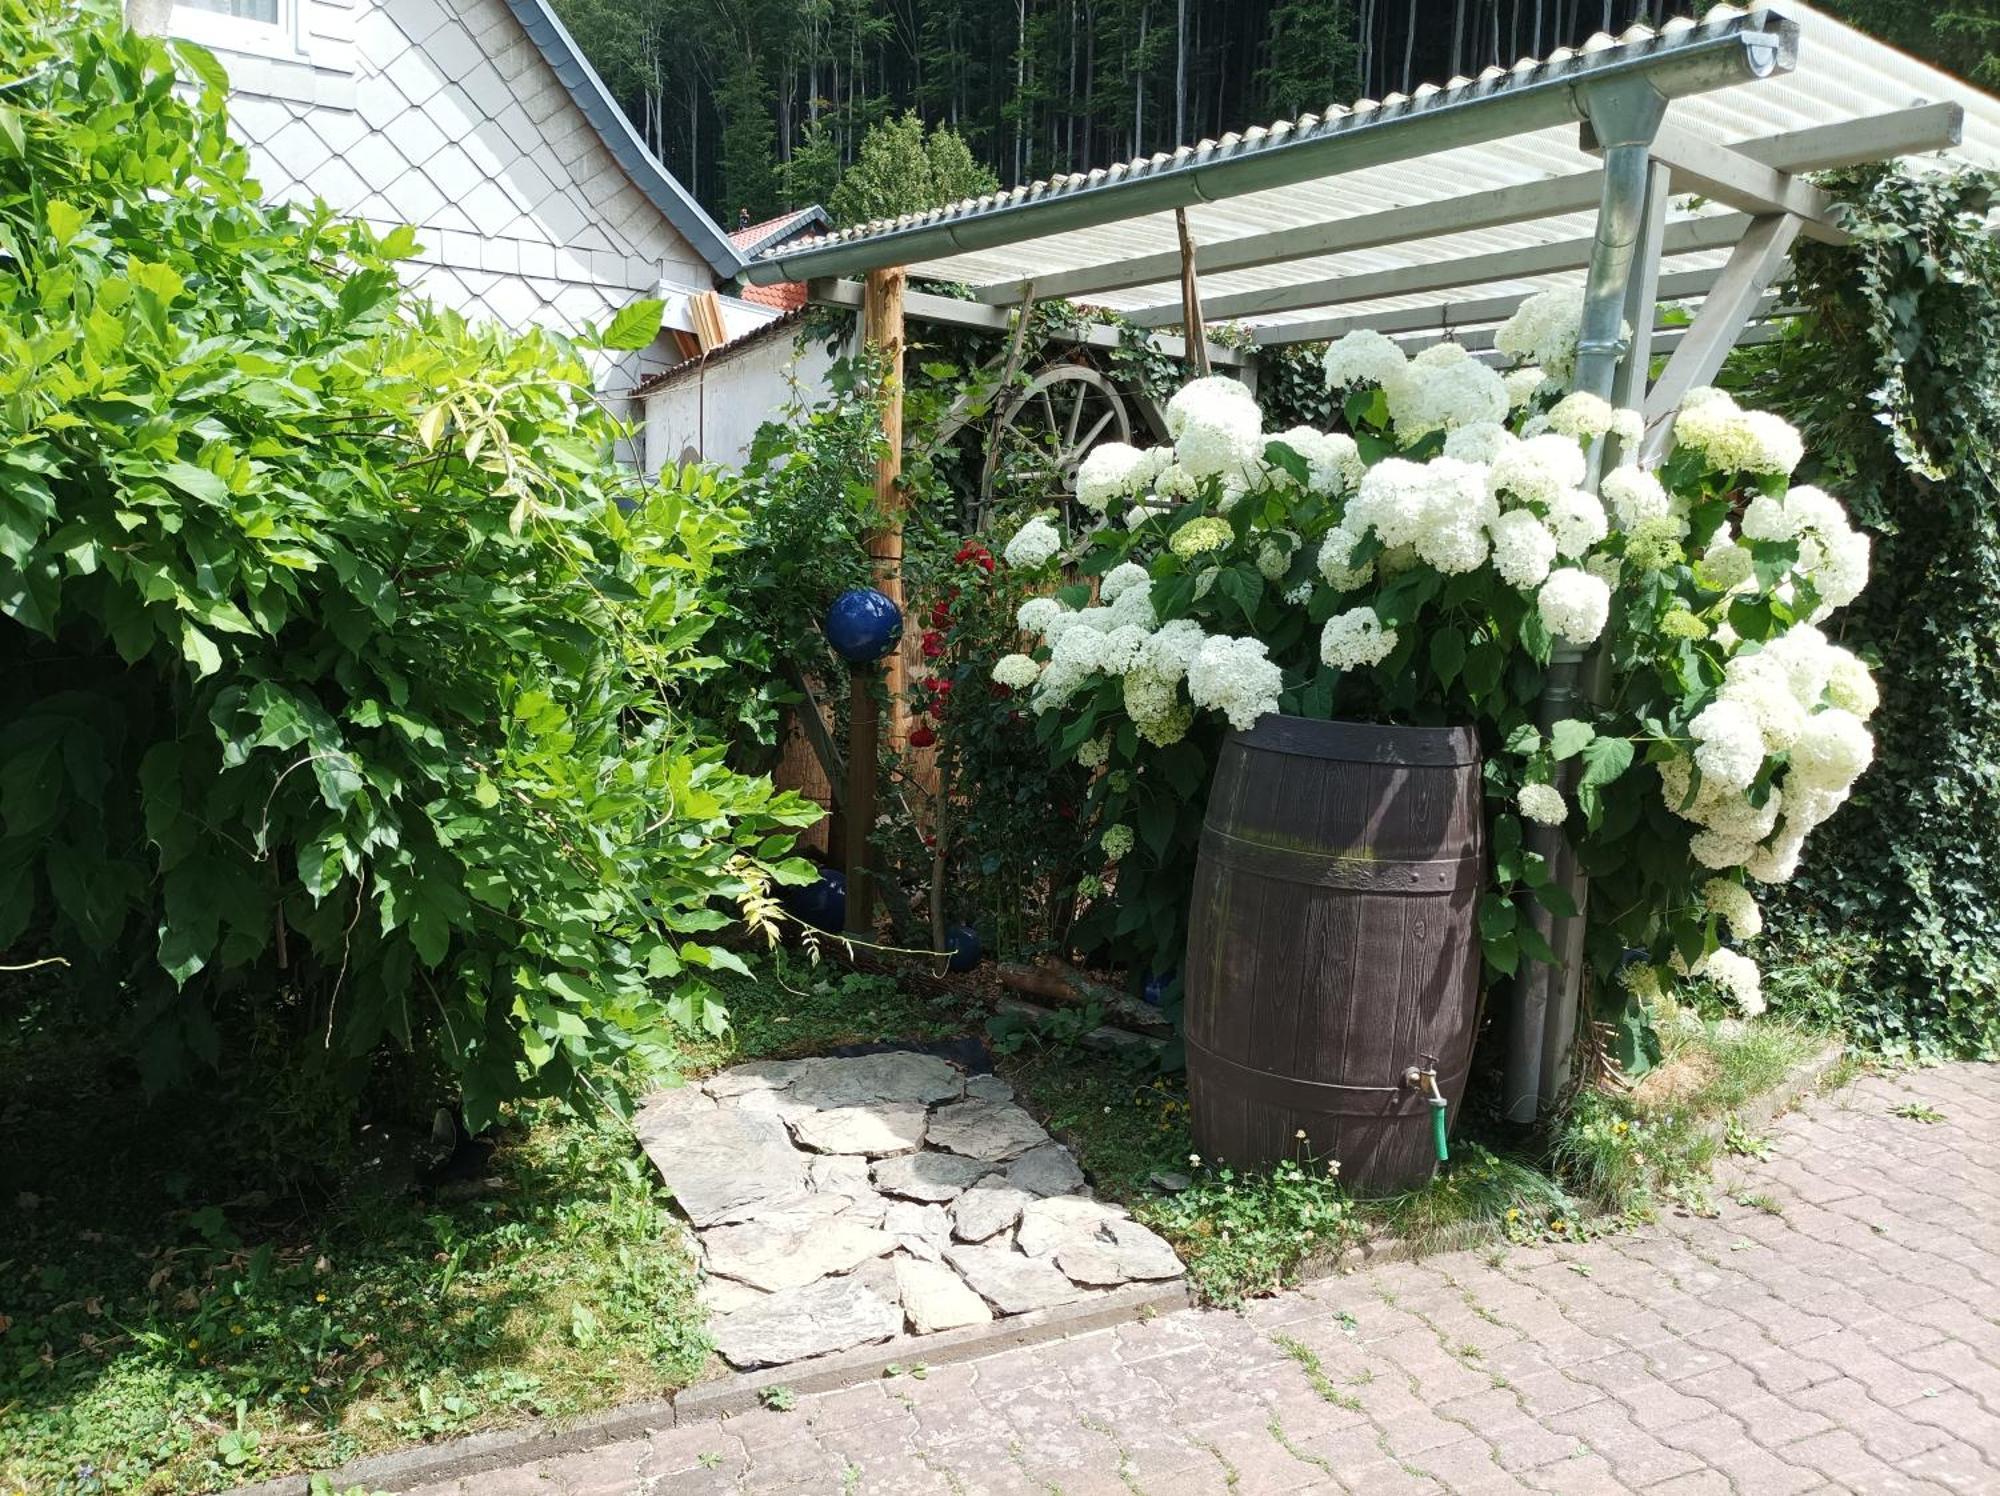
column 881, row 331
column 1191, row 328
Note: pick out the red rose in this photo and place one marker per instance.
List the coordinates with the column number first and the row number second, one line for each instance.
column 940, row 615
column 922, row 737
column 933, row 644
column 940, row 685
column 998, row 692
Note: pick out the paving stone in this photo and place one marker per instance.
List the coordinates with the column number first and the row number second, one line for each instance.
column 1048, row 1170
column 723, row 1158
column 987, row 1088
column 758, row 1075
column 1009, row 1280
column 992, row 1130
column 872, row 1128
column 901, row 1075
column 840, row 1174
column 1048, row 1224
column 928, row 1175
column 921, row 1230
column 936, row 1298
column 1118, row 1251
column 988, row 1208
column 791, row 1252
column 833, row 1314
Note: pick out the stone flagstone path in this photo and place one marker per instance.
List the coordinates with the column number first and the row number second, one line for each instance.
column 841, row 1202
column 1840, row 1331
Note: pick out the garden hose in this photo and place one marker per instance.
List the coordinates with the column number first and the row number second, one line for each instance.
column 1428, row 1077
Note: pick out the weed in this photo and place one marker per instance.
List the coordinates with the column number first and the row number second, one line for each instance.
column 1309, row 1362
column 708, row 1459
column 1744, row 1143
column 1277, row 1431
column 778, row 1398
column 1761, row 1202
column 1917, row 1111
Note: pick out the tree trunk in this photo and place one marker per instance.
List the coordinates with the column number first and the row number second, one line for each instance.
column 1180, row 72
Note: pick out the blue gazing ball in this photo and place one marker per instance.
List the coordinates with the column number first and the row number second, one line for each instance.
column 863, row 625
column 822, row 904
column 963, row 942
column 1155, row 990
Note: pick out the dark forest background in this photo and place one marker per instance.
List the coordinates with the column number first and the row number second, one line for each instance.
column 765, row 104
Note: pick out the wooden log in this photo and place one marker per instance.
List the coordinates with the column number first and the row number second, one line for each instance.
column 1057, row 982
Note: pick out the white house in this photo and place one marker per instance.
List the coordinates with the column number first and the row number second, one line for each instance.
column 481, row 124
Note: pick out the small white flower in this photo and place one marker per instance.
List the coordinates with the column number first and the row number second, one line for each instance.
column 1355, row 638
column 1121, row 578
column 1034, row 544
column 1542, row 803
column 1016, row 671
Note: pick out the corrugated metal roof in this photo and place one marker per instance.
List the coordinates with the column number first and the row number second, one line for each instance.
column 1842, row 75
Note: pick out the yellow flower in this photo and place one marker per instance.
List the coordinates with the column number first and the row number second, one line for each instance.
column 236, row 1329
column 194, row 1342
column 1300, row 1134
column 319, row 1298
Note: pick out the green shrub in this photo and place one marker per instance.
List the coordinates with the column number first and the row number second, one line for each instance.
column 339, row 656
column 1893, row 376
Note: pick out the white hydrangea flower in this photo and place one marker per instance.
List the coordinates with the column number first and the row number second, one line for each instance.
column 1335, row 554
column 1016, row 671
column 1522, row 383
column 1577, row 521
column 1123, row 646
column 1574, row 605
column 1759, row 682
column 1234, row 677
column 1333, row 461
column 1274, row 554
column 1034, row 544
column 1849, row 685
column 1443, row 394
column 1537, row 469
column 1628, row 426
column 1035, row 615
column 1832, row 750
column 1737, row 975
column 1736, row 907
column 1134, row 605
column 1729, row 744
column 1542, row 803
column 1581, row 414
column 1523, row 549
column 1201, row 399
column 1172, row 649
column 1121, row 578
column 1174, row 484
column 1543, row 330
column 1111, row 471
column 1092, row 755
column 1777, row 862
column 1225, row 441
column 1805, row 656
column 1355, row 638
column 1733, row 439
column 1361, row 357
column 1482, row 441
column 1391, row 501
column 1116, row 842
column 1633, row 495
column 1456, row 511
column 1726, row 564
column 1766, row 518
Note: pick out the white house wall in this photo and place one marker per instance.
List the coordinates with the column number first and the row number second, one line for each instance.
column 450, row 119
column 712, row 412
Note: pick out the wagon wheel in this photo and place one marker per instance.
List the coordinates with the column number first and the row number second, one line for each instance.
column 1044, row 432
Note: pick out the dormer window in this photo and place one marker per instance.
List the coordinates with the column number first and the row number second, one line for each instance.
column 266, row 27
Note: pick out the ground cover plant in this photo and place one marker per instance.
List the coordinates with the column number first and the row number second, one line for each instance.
column 339, row 661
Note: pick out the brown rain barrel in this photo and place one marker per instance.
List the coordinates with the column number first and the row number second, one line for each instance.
column 1333, row 945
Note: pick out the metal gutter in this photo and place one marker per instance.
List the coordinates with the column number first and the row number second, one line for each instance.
column 587, row 91
column 1680, row 59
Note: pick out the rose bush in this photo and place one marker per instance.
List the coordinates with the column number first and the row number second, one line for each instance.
column 1424, row 566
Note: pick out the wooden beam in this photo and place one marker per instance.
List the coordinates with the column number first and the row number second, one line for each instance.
column 1876, row 137
column 1485, row 210
column 1727, row 309
column 1728, row 176
column 950, row 310
column 1716, row 231
column 1191, row 321
column 1445, row 315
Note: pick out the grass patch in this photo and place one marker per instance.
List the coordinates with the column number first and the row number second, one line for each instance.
column 1630, row 1153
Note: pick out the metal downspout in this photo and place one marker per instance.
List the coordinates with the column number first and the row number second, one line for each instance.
column 1625, row 115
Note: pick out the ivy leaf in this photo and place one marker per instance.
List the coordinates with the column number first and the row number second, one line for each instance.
column 1569, row 738
column 636, row 325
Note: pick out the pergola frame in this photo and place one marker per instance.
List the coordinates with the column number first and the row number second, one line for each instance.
column 1618, row 93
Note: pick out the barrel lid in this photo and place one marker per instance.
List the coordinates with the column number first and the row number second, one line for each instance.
column 1361, row 742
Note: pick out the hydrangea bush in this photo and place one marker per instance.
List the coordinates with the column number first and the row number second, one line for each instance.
column 1424, row 566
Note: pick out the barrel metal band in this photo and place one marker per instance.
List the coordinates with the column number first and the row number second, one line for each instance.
column 1332, row 870
column 1295, row 1093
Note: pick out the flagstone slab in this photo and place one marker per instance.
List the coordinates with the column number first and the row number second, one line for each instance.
column 928, row 1175
column 992, row 1130
column 1012, row 1282
column 723, row 1158
column 789, row 1253
column 873, row 1128
column 834, row 1314
column 936, row 1298
column 988, row 1208
column 1047, row 1170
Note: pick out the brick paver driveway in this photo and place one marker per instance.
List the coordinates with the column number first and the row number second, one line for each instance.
column 1849, row 1342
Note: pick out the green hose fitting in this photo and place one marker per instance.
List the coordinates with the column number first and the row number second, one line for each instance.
column 1437, row 1129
